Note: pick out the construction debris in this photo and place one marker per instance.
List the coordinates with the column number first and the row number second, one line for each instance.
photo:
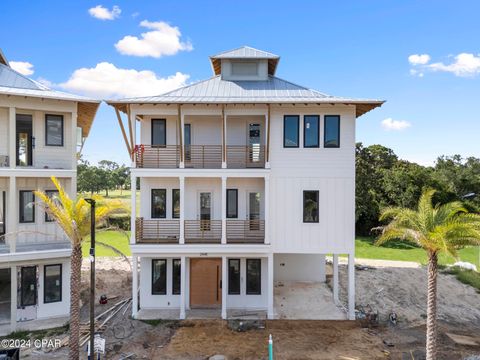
column 367, row 315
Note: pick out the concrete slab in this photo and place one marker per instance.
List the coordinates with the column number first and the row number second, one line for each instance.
column 34, row 325
column 155, row 314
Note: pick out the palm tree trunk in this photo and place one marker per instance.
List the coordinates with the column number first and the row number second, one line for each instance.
column 75, row 279
column 432, row 306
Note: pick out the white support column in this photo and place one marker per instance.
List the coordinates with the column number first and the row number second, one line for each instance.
column 224, row 287
column 266, row 208
column 267, row 136
column 270, row 291
column 182, row 131
column 134, row 286
column 351, row 286
column 224, row 138
column 13, row 298
column 133, row 205
column 183, row 269
column 74, row 140
column 12, row 213
column 335, row 279
column 224, row 209
column 182, row 210
column 12, row 134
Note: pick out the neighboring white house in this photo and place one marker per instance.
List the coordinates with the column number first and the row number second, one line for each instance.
column 40, row 130
column 246, row 180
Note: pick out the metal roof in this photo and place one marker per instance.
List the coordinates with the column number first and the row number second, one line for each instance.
column 246, row 53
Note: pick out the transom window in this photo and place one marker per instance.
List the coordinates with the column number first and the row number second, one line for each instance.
column 290, row 131
column 311, row 131
column 332, row 131
column 310, row 206
column 53, row 130
column 159, row 277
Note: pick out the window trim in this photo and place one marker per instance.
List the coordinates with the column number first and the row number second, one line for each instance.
column 239, row 277
column 21, row 207
column 173, row 277
column 151, row 204
column 165, row 277
column 298, row 132
column 47, row 192
column 164, row 135
column 304, row 131
column 318, row 207
column 236, row 204
column 22, row 303
column 173, row 204
column 325, row 132
column 59, row 117
column 45, row 280
column 260, row 274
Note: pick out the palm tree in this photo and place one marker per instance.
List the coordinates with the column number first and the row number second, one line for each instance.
column 435, row 228
column 73, row 216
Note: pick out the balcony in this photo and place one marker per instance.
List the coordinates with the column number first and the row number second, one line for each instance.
column 203, row 231
column 157, row 231
column 245, row 231
column 244, row 157
column 157, row 157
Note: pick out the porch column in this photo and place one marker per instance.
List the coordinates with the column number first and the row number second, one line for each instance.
column 351, row 286
column 224, row 287
column 12, row 213
column 224, row 138
column 267, row 133
column 183, row 269
column 182, row 210
column 224, row 209
column 133, row 204
column 74, row 140
column 266, row 207
column 13, row 297
column 270, row 292
column 134, row 286
column 182, row 139
column 335, row 279
column 12, row 135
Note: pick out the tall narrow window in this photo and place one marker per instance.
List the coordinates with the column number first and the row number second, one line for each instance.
column 27, row 206
column 311, row 131
column 232, row 203
column 159, row 277
column 53, row 130
column 234, row 276
column 175, row 203
column 159, row 132
column 176, row 275
column 28, row 292
column 310, row 206
column 332, row 131
column 52, row 283
column 188, row 142
column 254, row 276
column 290, row 131
column 159, row 203
column 52, row 194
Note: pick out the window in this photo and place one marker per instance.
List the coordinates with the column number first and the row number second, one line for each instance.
column 159, row 277
column 27, row 206
column 232, row 203
column 176, row 275
column 175, row 203
column 28, row 281
column 311, row 131
column 254, row 277
column 234, row 276
column 52, row 194
column 244, row 68
column 159, row 132
column 159, row 203
column 310, row 206
column 53, row 130
column 52, row 283
column 290, row 131
column 332, row 131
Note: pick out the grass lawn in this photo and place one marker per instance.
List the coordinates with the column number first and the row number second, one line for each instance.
column 116, row 239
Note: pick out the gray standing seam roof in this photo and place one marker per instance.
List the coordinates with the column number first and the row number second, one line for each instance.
column 245, row 52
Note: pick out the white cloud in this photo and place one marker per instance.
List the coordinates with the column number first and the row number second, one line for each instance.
column 417, row 59
column 161, row 41
column 465, row 65
column 105, row 80
column 23, row 67
column 103, row 13
column 395, row 125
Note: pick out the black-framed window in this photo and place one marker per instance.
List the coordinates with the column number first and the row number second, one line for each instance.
column 254, row 276
column 311, row 131
column 310, row 206
column 176, row 276
column 28, row 281
column 234, row 276
column 159, row 277
column 53, row 130
column 52, row 194
column 331, row 131
column 159, row 203
column 159, row 132
column 52, row 283
column 27, row 206
column 232, row 203
column 175, row 203
column 291, row 125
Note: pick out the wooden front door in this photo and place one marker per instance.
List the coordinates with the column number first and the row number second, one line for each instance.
column 205, row 283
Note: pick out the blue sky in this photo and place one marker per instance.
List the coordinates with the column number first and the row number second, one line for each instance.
column 344, row 48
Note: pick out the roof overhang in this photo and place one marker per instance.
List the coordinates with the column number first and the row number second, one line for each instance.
column 3, row 59
column 86, row 112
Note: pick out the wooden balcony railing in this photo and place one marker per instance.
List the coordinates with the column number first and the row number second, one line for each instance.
column 203, row 156
column 203, row 231
column 161, row 156
column 241, row 157
column 157, row 231
column 245, row 231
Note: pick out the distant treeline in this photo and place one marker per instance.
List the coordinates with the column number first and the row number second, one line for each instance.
column 382, row 179
column 108, row 175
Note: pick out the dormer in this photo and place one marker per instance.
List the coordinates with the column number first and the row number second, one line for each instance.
column 245, row 64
